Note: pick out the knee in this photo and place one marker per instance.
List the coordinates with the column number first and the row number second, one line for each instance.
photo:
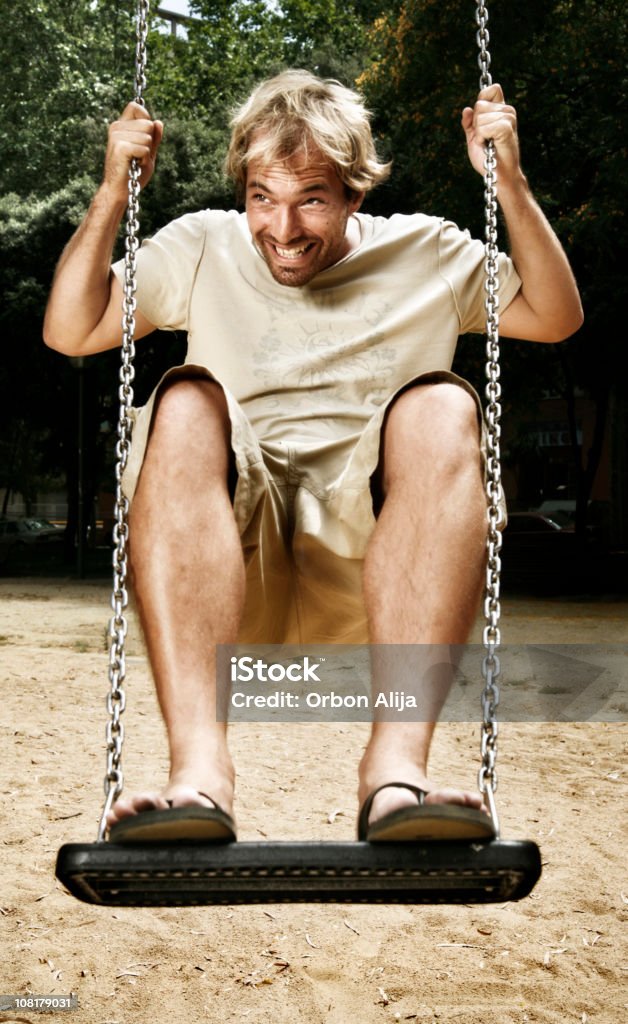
column 435, row 415
column 432, row 425
column 433, row 404
column 189, row 406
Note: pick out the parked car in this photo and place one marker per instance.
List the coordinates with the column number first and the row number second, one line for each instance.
column 29, row 530
column 597, row 516
column 536, row 549
column 531, row 522
column 539, row 551
column 27, row 534
column 561, row 510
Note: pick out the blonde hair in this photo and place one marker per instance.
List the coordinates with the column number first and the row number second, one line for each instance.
column 287, row 114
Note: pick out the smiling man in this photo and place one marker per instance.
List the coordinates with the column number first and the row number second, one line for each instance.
column 314, row 472
column 299, row 214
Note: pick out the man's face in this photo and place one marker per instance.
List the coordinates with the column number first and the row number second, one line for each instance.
column 298, row 211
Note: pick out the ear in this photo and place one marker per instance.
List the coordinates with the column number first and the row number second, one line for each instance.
column 355, row 201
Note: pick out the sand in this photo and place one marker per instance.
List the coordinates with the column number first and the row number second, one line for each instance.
column 558, row 956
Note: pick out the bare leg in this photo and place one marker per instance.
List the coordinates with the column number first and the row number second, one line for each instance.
column 188, row 574
column 424, row 568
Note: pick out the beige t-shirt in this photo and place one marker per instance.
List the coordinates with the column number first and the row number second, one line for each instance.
column 314, row 363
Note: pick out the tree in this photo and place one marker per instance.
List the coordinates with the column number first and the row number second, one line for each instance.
column 63, row 66
column 66, row 69
column 562, row 64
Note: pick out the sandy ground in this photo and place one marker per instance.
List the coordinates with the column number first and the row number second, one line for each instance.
column 558, row 957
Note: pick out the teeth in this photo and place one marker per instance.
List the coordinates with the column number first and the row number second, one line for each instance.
column 290, row 254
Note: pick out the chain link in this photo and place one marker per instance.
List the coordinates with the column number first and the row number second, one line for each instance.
column 483, row 39
column 116, row 699
column 487, row 776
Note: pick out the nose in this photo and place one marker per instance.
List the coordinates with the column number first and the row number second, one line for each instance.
column 286, row 224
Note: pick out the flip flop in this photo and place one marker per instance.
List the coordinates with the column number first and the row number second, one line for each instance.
column 177, row 824
column 424, row 822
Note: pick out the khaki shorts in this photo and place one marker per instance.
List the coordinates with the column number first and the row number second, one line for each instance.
column 305, row 515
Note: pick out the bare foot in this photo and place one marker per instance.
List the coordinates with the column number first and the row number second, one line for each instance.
column 389, row 762
column 174, row 795
column 393, row 798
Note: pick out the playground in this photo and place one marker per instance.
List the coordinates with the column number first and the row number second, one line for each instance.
column 556, row 957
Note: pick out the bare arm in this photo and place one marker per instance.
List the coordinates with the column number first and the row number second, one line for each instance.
column 547, row 307
column 84, row 312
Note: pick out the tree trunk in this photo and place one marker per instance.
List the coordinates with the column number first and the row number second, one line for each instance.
column 619, row 466
column 586, row 468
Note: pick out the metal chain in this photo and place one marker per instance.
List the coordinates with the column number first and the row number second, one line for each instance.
column 487, row 776
column 116, row 699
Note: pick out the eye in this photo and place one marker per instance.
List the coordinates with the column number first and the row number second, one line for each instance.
column 314, row 201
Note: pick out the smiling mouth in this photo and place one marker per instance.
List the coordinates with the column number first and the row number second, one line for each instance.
column 293, row 253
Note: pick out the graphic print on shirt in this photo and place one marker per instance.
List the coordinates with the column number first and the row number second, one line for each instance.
column 342, row 357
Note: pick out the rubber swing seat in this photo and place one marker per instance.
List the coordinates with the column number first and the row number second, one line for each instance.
column 190, row 874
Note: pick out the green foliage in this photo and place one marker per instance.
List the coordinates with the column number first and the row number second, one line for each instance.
column 62, row 68
column 562, row 64
column 231, row 44
column 66, row 68
column 34, row 381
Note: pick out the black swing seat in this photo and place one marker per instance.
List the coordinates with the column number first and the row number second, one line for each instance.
column 190, row 874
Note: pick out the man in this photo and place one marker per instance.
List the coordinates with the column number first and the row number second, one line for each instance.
column 314, row 472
